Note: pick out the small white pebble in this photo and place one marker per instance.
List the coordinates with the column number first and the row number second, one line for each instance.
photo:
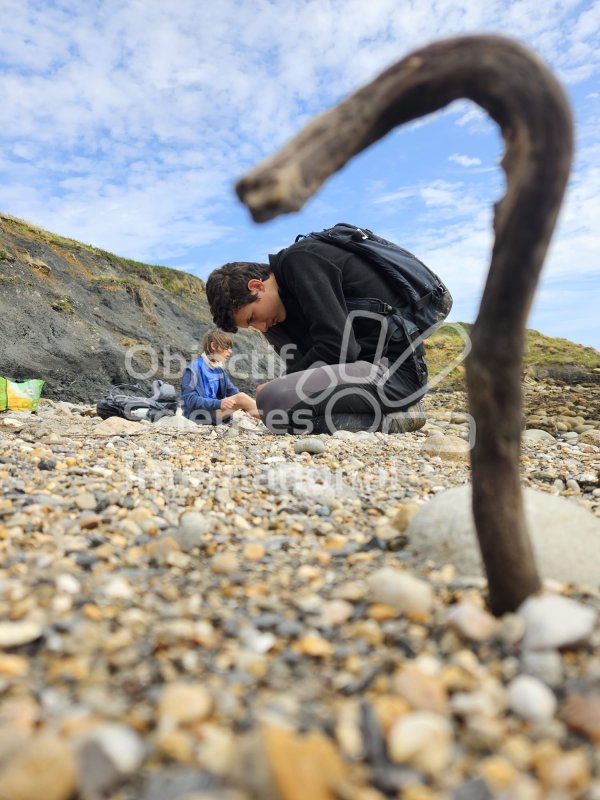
column 531, row 699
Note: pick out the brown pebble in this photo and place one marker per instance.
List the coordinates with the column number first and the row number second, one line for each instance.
column 423, row 692
column 13, row 666
column 314, row 645
column 183, row 703
column 43, row 768
column 89, row 520
column 582, row 714
column 86, row 501
column 254, row 551
column 225, row 563
column 381, row 612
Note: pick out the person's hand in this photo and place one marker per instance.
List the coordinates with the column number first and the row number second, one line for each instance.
column 228, row 403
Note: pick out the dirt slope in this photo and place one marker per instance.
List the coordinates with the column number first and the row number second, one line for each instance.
column 83, row 319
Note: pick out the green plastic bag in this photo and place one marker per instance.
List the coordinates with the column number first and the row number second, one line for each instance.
column 20, row 395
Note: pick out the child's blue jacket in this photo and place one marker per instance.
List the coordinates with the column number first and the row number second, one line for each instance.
column 202, row 389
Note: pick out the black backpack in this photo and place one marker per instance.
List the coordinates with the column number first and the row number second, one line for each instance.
column 117, row 403
column 428, row 300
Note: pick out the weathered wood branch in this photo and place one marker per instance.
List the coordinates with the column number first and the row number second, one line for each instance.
column 524, row 98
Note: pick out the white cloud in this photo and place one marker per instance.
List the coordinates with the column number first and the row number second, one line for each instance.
column 464, row 161
column 126, row 122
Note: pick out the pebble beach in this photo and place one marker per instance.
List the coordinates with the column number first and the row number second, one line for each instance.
column 225, row 614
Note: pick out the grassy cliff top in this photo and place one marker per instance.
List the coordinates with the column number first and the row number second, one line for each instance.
column 167, row 278
column 541, row 352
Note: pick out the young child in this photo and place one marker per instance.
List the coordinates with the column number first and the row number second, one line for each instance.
column 208, row 395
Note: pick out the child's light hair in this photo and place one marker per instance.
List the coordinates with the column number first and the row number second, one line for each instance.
column 215, row 340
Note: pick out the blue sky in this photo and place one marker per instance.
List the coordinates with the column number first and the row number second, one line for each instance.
column 125, row 124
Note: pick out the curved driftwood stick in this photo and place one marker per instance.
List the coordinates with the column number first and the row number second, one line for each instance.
column 528, row 104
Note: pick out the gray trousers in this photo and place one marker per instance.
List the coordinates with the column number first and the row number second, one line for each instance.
column 352, row 396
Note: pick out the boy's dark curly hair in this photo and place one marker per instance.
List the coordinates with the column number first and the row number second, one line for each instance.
column 227, row 290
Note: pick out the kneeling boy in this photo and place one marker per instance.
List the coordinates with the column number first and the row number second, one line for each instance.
column 343, row 371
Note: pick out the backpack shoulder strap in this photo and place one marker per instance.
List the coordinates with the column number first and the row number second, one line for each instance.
column 368, row 304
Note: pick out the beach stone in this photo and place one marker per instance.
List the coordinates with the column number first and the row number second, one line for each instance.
column 107, row 755
column 176, row 423
column 256, row 642
column 86, row 501
column 422, row 739
column 421, row 691
column 12, row 666
column 443, row 529
column 562, row 774
column 313, row 757
column 531, row 699
column 400, row 590
column 275, row 762
column 14, row 634
column 473, row 789
column 12, row 422
column 189, row 537
column 537, row 435
column 336, row 612
column 590, row 437
column 447, row 447
column 182, row 703
column 587, row 480
column 225, row 563
column 117, row 425
column 254, row 551
column 543, row 664
column 118, row 588
column 195, row 519
column 43, row 768
column 68, row 584
column 345, row 436
column 47, row 464
column 312, row 446
column 570, row 436
column 193, row 529
column 313, row 645
column 400, row 518
column 582, row 713
column 498, row 772
column 471, row 622
column 552, row 621
column 511, row 629
column 183, row 783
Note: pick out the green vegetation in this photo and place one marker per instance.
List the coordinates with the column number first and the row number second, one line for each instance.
column 63, row 304
column 546, row 351
column 116, row 281
column 170, row 280
column 3, row 255
column 447, row 343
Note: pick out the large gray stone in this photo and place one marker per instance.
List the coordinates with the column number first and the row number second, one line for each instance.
column 565, row 537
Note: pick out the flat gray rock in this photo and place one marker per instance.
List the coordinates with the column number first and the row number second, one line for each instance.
column 536, row 435
column 565, row 537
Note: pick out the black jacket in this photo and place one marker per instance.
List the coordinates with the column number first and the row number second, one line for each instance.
column 314, row 280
